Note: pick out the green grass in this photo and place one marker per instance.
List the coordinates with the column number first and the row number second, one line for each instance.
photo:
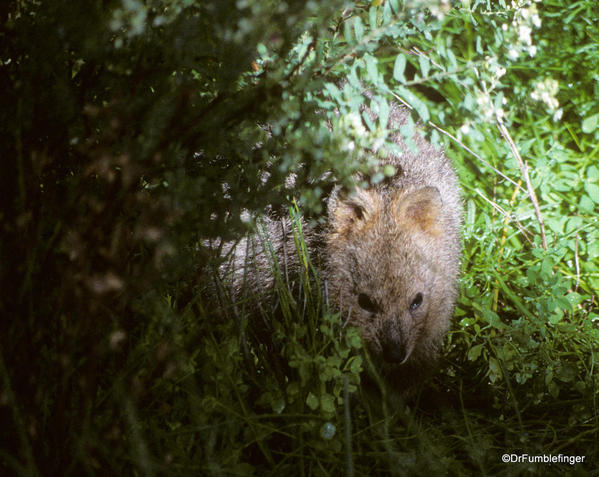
column 268, row 399
column 121, row 351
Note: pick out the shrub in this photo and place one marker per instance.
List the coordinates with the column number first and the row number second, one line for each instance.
column 133, row 133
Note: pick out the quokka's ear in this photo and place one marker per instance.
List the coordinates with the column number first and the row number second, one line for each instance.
column 420, row 210
column 355, row 210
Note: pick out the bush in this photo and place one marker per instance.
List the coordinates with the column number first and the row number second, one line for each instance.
column 135, row 133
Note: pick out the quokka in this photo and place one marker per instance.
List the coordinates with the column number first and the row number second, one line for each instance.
column 389, row 255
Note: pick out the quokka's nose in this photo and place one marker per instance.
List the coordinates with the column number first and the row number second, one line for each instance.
column 393, row 350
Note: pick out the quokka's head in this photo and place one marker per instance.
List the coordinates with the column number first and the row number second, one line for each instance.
column 391, row 269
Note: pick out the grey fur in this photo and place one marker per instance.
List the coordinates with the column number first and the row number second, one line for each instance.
column 390, row 257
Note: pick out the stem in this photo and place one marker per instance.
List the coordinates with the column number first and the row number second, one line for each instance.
column 524, row 169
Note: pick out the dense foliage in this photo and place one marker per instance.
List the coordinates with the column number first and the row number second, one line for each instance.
column 134, row 133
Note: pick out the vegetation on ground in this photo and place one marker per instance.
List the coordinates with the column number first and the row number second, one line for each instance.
column 135, row 133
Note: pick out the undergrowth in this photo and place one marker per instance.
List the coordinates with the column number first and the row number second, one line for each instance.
column 292, row 391
column 135, row 133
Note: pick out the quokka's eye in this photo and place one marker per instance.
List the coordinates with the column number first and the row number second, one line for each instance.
column 367, row 304
column 416, row 302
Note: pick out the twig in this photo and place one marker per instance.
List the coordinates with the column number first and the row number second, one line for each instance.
column 467, row 149
column 419, row 52
column 348, row 450
column 502, row 245
column 524, row 169
column 502, row 211
column 577, row 265
column 508, row 383
column 458, row 142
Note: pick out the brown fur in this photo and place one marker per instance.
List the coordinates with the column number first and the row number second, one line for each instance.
column 390, row 256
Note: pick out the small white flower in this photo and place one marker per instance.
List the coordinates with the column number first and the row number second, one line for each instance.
column 524, row 33
column 483, row 99
column 355, row 122
column 245, row 217
column 558, row 115
column 545, row 91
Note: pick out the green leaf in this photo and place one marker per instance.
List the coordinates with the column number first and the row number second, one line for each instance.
column 347, row 33
column 353, row 339
column 389, row 170
column 494, row 370
column 387, row 13
column 574, row 298
column 312, row 401
column 553, row 389
column 470, row 212
column 590, row 124
column 415, row 102
column 399, row 68
column 425, row 65
column 586, row 204
column 327, row 403
column 474, row 352
column 593, row 173
column 333, row 91
column 369, row 123
column 492, row 318
column 358, row 28
column 372, row 14
column 383, row 112
column 567, row 373
column 356, row 365
column 371, row 68
column 548, row 375
column 453, row 62
column 593, row 191
column 556, row 316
